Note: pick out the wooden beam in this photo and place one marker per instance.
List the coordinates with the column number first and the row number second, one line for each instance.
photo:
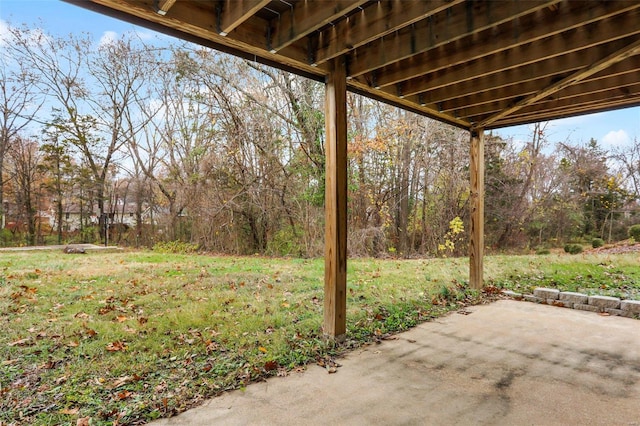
column 620, row 80
column 566, row 31
column 373, row 22
column 441, row 29
column 581, row 102
column 479, row 90
column 233, row 13
column 364, row 89
column 476, row 243
column 335, row 272
column 197, row 22
column 305, row 17
column 620, row 55
column 565, row 113
column 163, row 6
column 557, row 53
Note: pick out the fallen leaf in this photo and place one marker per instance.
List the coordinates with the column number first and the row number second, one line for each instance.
column 121, row 381
column 83, row 421
column 90, row 332
column 604, row 314
column 21, row 342
column 73, row 344
column 262, row 349
column 83, row 315
column 70, row 411
column 116, row 346
column 121, row 318
column 270, row 365
column 123, row 395
column 9, row 362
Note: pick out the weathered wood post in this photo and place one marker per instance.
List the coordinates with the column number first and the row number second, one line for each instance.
column 476, row 243
column 335, row 273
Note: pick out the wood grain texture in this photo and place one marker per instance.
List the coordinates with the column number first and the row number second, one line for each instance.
column 476, row 243
column 335, row 279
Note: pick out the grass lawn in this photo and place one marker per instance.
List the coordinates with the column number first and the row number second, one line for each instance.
column 128, row 337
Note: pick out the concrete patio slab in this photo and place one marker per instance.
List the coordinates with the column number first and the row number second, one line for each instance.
column 506, row 363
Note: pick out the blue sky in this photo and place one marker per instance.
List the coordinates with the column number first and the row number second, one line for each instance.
column 611, row 129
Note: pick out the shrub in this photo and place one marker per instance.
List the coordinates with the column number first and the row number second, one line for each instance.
column 176, row 247
column 287, row 242
column 6, row 237
column 542, row 251
column 597, row 242
column 573, row 248
column 634, row 232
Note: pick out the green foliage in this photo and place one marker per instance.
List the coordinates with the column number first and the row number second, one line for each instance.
column 175, row 247
column 573, row 248
column 543, row 251
column 287, row 242
column 89, row 234
column 634, row 232
column 597, row 242
column 6, row 237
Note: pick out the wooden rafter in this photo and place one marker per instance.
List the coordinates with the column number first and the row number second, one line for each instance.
column 372, row 23
column 232, row 13
column 453, row 60
column 302, row 18
column 575, row 33
column 499, row 99
column 459, row 21
column 622, row 54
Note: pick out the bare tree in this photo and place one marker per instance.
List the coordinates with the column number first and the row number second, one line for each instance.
column 27, row 175
column 20, row 101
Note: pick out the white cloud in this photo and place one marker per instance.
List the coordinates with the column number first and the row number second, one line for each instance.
column 575, row 121
column 108, row 37
column 616, row 138
column 143, row 35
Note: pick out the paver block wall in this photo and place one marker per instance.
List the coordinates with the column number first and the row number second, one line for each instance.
column 583, row 302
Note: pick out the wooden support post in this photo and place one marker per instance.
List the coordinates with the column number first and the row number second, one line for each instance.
column 476, row 243
column 335, row 264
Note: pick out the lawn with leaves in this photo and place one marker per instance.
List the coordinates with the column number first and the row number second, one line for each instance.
column 616, row 275
column 127, row 337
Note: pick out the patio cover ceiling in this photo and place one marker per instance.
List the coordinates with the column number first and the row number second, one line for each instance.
column 475, row 64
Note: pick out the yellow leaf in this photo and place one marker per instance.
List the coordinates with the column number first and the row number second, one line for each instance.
column 69, row 411
column 262, row 349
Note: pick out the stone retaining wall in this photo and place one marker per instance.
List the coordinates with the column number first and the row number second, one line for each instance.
column 583, row 302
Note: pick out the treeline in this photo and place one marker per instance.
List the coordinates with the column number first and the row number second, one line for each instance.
column 176, row 142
